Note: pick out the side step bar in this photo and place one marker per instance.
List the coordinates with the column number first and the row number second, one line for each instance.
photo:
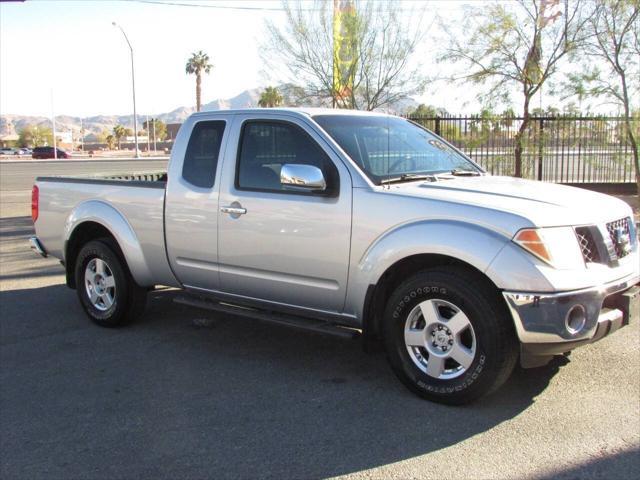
column 301, row 323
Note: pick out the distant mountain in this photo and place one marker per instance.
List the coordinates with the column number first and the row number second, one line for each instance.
column 10, row 125
column 246, row 99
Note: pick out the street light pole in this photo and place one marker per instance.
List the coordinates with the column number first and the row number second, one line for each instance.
column 133, row 84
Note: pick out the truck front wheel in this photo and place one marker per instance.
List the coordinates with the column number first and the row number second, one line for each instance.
column 107, row 292
column 447, row 337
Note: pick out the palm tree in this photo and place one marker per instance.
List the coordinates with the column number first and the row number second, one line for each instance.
column 110, row 140
column 118, row 132
column 270, row 98
column 198, row 63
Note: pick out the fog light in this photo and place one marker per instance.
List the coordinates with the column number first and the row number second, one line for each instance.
column 575, row 319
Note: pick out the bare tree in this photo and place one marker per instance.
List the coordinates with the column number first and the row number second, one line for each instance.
column 516, row 46
column 612, row 66
column 383, row 44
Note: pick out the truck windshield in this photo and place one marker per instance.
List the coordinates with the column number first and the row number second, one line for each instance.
column 393, row 149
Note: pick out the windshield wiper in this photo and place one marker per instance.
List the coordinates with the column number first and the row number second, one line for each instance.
column 459, row 172
column 407, row 177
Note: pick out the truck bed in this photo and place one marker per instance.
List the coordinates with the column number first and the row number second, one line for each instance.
column 138, row 198
column 140, row 179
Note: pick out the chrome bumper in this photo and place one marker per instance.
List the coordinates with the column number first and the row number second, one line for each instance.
column 543, row 318
column 37, row 247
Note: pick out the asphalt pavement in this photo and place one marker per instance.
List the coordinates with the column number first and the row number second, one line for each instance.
column 186, row 393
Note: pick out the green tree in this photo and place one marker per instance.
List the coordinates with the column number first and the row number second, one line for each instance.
column 427, row 116
column 198, row 64
column 118, row 132
column 516, row 46
column 110, row 140
column 160, row 128
column 102, row 136
column 423, row 110
column 35, row 136
column 270, row 97
column 381, row 41
column 507, row 118
column 612, row 62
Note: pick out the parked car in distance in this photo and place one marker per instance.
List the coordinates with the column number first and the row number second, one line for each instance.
column 47, row 152
column 340, row 222
column 8, row 151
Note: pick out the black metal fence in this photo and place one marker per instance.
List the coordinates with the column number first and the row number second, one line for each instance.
column 556, row 149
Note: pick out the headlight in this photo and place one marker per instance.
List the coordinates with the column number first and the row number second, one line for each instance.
column 557, row 246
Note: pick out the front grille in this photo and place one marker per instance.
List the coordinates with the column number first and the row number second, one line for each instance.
column 588, row 245
column 615, row 229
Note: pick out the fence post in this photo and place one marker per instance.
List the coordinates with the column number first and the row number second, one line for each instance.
column 540, row 148
column 438, row 125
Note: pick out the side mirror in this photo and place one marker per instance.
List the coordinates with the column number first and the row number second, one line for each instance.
column 303, row 178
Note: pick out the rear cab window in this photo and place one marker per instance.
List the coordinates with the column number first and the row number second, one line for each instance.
column 201, row 158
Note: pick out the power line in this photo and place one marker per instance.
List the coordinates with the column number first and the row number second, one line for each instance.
column 200, row 5
column 280, row 9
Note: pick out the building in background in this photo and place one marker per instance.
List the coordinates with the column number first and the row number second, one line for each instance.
column 172, row 131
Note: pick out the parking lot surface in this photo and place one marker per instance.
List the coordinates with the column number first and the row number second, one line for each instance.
column 186, row 393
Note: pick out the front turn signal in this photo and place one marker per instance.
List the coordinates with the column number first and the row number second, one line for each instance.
column 530, row 240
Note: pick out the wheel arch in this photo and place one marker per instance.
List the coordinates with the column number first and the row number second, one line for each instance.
column 95, row 219
column 379, row 292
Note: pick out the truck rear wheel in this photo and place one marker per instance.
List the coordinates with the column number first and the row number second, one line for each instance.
column 107, row 292
column 447, row 337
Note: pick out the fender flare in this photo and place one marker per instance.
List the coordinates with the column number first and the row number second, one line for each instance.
column 469, row 243
column 473, row 244
column 106, row 215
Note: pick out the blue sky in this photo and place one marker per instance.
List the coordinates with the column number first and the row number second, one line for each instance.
column 71, row 48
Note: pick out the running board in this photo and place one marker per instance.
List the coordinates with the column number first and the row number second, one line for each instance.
column 292, row 321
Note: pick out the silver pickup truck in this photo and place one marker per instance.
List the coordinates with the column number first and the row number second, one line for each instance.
column 353, row 223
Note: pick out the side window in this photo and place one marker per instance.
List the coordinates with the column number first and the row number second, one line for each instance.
column 266, row 146
column 201, row 159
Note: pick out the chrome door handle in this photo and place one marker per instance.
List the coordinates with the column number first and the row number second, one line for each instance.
column 233, row 210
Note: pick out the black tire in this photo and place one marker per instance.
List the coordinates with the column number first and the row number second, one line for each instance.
column 128, row 299
column 494, row 338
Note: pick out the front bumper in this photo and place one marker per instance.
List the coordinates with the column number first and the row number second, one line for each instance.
column 544, row 321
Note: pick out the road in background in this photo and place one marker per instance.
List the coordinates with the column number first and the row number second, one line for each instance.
column 185, row 393
column 17, row 178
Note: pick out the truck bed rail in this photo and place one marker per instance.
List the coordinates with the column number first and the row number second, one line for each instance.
column 142, row 179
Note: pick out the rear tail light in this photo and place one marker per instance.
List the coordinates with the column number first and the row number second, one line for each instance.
column 35, row 203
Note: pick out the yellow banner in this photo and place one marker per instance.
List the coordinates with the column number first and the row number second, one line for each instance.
column 344, row 48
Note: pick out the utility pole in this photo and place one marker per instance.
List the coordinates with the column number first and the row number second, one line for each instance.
column 148, row 136
column 154, row 137
column 53, row 122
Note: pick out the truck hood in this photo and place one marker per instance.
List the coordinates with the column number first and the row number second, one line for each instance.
column 544, row 204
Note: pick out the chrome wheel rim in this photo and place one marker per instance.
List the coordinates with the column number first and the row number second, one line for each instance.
column 440, row 339
column 100, row 284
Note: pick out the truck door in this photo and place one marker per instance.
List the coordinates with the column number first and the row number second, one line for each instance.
column 191, row 204
column 278, row 245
